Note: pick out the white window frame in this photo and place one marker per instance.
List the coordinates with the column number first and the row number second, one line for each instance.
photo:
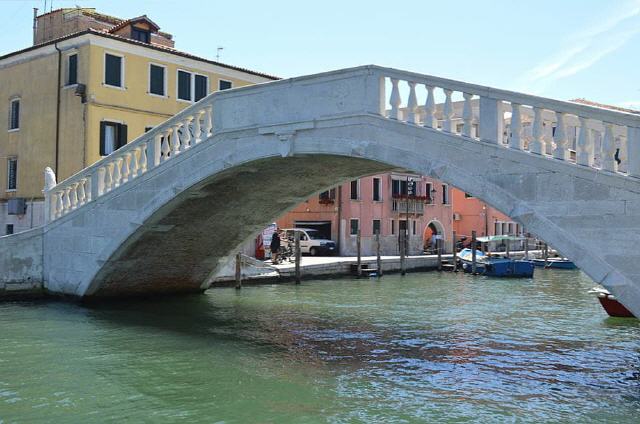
column 10, row 159
column 373, row 189
column 193, row 85
column 66, row 68
column 122, row 71
column 373, row 232
column 445, row 194
column 164, row 82
column 359, row 228
column 359, row 197
column 192, row 88
column 220, row 80
column 11, row 102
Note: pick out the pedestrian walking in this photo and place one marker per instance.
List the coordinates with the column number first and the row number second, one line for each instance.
column 275, row 246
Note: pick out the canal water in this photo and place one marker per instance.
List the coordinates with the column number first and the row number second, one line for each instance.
column 427, row 347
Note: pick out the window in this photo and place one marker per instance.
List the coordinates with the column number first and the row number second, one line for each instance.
column 402, row 226
column 376, row 226
column 376, row 190
column 147, row 129
column 355, row 195
column 354, row 227
column 9, row 229
column 414, row 227
column 113, row 135
column 140, row 35
column 468, row 196
column 445, row 194
column 72, row 69
column 113, row 70
column 184, row 85
column 201, row 83
column 403, row 187
column 12, row 174
column 393, row 227
column 157, row 81
column 429, row 192
column 14, row 115
column 224, row 85
column 328, row 196
column 497, row 229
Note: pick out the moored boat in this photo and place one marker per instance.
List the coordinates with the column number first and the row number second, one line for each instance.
column 495, row 267
column 555, row 263
column 611, row 304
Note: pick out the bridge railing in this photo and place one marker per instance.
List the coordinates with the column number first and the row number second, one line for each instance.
column 488, row 112
column 161, row 144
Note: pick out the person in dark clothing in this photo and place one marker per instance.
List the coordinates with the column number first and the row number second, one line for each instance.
column 275, row 247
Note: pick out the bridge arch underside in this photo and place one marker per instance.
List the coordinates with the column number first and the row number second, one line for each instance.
column 201, row 206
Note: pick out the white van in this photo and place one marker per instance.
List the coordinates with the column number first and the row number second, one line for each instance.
column 311, row 241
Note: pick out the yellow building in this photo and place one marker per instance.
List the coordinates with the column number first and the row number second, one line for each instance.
column 92, row 83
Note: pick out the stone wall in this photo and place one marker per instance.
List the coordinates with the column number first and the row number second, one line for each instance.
column 21, row 263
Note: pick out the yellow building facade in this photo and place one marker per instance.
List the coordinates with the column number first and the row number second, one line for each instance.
column 73, row 99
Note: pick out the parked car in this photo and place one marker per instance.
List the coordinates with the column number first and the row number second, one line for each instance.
column 311, row 241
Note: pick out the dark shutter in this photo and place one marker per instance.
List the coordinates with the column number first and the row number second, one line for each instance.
column 201, row 87
column 102, row 131
column 14, row 118
column 121, row 135
column 354, row 190
column 113, row 70
column 184, row 85
column 156, row 83
column 376, row 189
column 73, row 70
column 13, row 174
column 224, row 85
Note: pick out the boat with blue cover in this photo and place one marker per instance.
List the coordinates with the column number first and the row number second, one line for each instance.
column 495, row 266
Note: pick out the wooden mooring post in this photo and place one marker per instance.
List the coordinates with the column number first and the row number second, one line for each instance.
column 508, row 246
column 298, row 256
column 439, row 244
column 359, row 251
column 545, row 253
column 403, row 267
column 473, row 252
column 526, row 248
column 455, row 253
column 238, row 271
column 378, row 259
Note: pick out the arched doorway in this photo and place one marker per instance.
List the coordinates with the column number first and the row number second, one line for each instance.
column 432, row 232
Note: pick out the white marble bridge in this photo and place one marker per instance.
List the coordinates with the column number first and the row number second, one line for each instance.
column 163, row 213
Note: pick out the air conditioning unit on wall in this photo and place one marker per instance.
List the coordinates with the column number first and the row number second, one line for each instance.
column 456, row 216
column 16, row 206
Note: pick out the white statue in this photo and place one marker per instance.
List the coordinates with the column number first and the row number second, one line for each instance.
column 49, row 179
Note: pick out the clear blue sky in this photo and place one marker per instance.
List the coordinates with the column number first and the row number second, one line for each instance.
column 556, row 48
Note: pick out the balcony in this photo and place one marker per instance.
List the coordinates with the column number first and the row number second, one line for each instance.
column 411, row 206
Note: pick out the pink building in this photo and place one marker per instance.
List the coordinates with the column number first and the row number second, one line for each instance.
column 387, row 203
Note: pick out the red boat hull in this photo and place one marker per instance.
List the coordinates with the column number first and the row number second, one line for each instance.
column 614, row 308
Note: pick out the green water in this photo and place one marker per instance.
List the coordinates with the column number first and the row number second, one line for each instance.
column 428, row 347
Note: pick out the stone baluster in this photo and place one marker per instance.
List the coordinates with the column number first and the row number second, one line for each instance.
column 208, row 121
column 633, row 151
column 537, row 144
column 185, row 143
column 175, row 140
column 395, row 100
column 166, row 148
column 135, row 164
column 467, row 115
column 53, row 206
column 560, row 137
column 447, row 111
column 430, row 108
column 73, row 191
column 142, row 164
column 67, row 200
column 412, row 105
column 155, row 151
column 81, row 192
column 88, row 188
column 117, row 175
column 197, row 127
column 516, row 142
column 126, row 166
column 60, row 208
column 608, row 149
column 584, row 146
column 108, row 179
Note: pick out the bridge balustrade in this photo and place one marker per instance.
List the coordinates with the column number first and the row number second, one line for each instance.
column 501, row 117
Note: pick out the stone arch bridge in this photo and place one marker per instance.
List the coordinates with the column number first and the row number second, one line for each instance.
column 164, row 212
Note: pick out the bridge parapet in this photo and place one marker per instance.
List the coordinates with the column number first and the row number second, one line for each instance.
column 362, row 91
column 618, row 132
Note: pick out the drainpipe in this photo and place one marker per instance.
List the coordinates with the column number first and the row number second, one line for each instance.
column 339, row 244
column 55, row 169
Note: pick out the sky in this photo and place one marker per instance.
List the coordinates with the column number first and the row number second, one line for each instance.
column 563, row 49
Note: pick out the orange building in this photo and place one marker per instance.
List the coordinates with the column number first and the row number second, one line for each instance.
column 471, row 213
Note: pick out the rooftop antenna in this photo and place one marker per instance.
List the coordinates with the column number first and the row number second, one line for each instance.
column 218, row 53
